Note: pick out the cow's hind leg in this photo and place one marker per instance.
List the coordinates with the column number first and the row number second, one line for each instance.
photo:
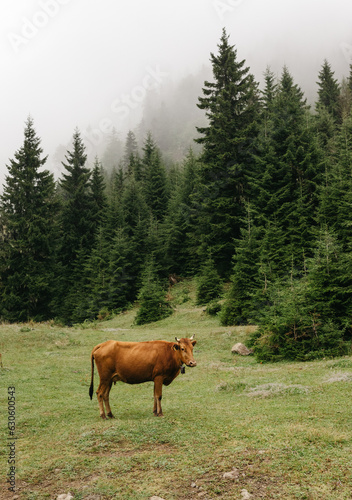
column 158, row 389
column 107, row 402
column 103, row 397
column 100, row 396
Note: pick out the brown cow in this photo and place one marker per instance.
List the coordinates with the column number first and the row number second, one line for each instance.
column 136, row 362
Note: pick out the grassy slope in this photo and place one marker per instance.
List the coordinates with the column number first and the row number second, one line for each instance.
column 285, row 427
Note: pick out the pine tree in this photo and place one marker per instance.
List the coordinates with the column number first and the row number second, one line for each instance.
column 122, row 281
column 153, row 305
column 289, row 169
column 209, row 285
column 345, row 100
column 336, row 193
column 270, row 90
column 154, row 179
column 29, row 209
column 231, row 105
column 179, row 222
column 242, row 302
column 329, row 91
column 135, row 221
column 98, row 194
column 106, row 285
column 77, row 220
column 309, row 316
column 131, row 160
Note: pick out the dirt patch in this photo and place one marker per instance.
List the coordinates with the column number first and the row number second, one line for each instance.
column 125, row 449
column 248, row 477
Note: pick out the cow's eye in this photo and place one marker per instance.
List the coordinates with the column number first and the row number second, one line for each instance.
column 182, row 348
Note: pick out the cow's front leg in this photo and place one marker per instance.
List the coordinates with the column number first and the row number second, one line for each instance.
column 158, row 389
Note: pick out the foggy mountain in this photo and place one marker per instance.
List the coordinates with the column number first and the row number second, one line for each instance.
column 139, row 66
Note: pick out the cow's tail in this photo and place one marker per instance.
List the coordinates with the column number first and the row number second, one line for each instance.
column 92, row 379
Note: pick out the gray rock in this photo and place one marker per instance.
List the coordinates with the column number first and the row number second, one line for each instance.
column 241, row 349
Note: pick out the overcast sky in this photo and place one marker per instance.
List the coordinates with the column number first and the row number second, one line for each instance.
column 81, row 63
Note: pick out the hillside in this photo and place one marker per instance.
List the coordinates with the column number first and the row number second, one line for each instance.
column 281, row 430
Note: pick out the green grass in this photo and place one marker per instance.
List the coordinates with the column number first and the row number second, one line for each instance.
column 285, row 427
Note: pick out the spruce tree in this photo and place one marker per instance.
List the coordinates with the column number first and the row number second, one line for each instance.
column 153, row 305
column 78, row 224
column 131, row 159
column 135, row 221
column 154, row 179
column 98, row 194
column 122, row 281
column 179, row 224
column 289, row 171
column 231, row 106
column 29, row 211
column 336, row 192
column 309, row 316
column 345, row 100
column 329, row 91
column 247, row 287
column 209, row 284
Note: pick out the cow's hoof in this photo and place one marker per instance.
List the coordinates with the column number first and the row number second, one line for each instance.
column 103, row 417
column 110, row 415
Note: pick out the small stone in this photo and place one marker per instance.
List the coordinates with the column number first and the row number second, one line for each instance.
column 231, row 475
column 245, row 495
column 156, row 498
column 65, row 496
column 193, row 484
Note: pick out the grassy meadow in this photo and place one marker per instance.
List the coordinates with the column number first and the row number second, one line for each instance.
column 285, row 429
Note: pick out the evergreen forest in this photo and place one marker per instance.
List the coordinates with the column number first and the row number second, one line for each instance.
column 261, row 217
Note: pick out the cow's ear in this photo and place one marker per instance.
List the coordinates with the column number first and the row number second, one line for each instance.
column 176, row 347
column 193, row 342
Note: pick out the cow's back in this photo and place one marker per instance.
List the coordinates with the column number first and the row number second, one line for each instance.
column 134, row 362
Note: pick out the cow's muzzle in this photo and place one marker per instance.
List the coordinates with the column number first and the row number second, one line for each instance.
column 191, row 364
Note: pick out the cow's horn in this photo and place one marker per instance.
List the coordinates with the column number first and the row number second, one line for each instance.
column 177, row 340
column 191, row 338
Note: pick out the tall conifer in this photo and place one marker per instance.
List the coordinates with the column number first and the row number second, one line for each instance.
column 77, row 221
column 328, row 91
column 29, row 229
column 231, row 106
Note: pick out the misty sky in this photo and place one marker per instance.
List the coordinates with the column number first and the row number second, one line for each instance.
column 89, row 63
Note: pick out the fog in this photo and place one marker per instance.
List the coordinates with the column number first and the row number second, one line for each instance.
column 91, row 65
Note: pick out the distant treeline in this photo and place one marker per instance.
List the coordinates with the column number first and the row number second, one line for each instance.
column 265, row 207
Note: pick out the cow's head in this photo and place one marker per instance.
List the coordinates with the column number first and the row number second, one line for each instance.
column 185, row 349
